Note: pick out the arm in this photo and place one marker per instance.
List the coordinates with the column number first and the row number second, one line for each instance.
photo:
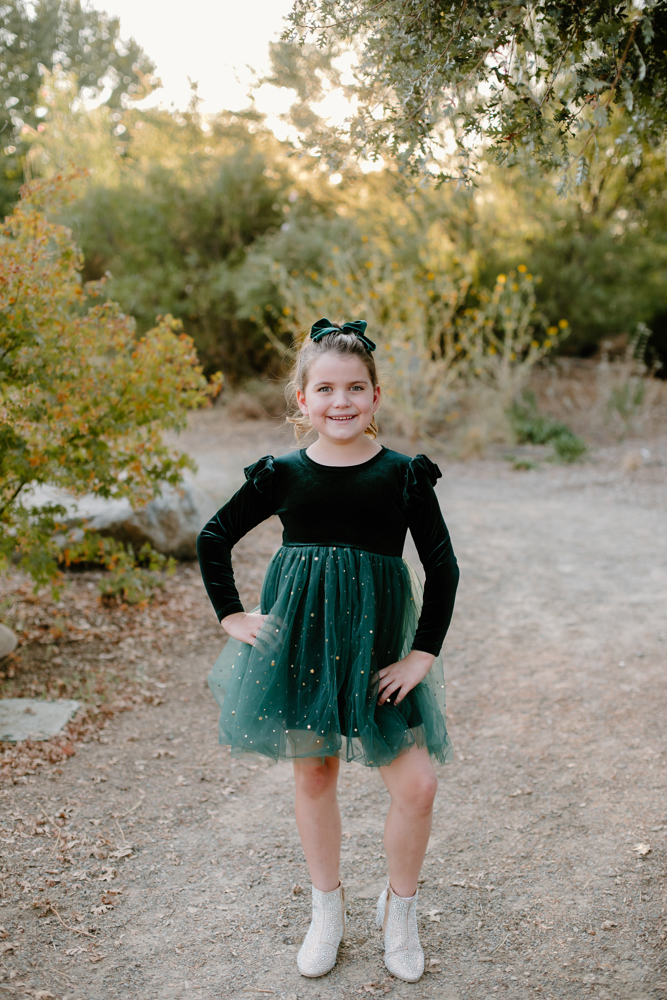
column 434, row 546
column 431, row 537
column 249, row 506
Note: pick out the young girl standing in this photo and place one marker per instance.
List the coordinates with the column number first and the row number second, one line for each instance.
column 342, row 659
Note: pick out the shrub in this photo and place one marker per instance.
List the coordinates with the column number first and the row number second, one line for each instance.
column 532, row 427
column 84, row 401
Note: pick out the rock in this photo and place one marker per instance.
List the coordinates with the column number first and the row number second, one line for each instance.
column 30, row 718
column 8, row 641
column 170, row 523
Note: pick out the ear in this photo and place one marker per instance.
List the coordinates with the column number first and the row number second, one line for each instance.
column 377, row 396
column 301, row 402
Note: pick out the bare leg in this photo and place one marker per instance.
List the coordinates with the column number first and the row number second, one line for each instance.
column 318, row 818
column 412, row 784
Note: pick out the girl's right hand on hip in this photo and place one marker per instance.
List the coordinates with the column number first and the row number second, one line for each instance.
column 242, row 626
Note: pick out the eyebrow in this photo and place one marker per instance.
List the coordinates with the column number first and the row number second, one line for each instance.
column 355, row 381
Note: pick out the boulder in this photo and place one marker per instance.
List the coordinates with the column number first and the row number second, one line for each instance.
column 8, row 641
column 170, row 522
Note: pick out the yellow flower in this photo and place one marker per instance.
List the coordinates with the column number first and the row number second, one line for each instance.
column 522, row 268
column 501, row 279
column 364, row 239
column 512, row 356
column 430, row 276
column 287, row 311
column 295, row 274
column 335, row 250
column 547, row 343
column 368, row 264
column 551, row 330
column 534, row 344
column 492, row 350
column 334, row 282
column 515, row 287
column 529, row 277
column 563, row 323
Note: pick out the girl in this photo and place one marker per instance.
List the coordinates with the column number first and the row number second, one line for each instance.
column 341, row 659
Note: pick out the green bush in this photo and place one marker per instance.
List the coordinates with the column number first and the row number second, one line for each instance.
column 532, row 427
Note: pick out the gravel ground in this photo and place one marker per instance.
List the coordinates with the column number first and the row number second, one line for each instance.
column 151, row 865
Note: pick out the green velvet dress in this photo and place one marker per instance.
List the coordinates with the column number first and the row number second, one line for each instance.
column 341, row 602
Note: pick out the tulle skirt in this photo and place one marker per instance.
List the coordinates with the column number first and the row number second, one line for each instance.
column 309, row 685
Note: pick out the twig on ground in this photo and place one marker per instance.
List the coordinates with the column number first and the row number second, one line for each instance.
column 136, row 805
column 500, row 945
column 75, row 930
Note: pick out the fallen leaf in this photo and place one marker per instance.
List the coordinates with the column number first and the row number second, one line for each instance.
column 642, row 848
column 102, row 908
column 434, row 915
column 3, row 933
column 43, row 995
column 122, row 852
column 107, row 875
column 607, row 925
column 96, row 958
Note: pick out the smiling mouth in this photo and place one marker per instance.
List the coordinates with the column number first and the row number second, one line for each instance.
column 350, row 416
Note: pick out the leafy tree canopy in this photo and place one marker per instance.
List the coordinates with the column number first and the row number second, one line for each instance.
column 35, row 38
column 518, row 76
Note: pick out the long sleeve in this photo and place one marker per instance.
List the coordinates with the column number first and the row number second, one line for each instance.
column 249, row 506
column 431, row 537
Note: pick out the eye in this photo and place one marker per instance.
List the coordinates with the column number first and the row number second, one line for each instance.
column 361, row 387
column 324, row 388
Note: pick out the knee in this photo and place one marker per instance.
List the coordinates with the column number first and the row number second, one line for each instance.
column 314, row 779
column 419, row 794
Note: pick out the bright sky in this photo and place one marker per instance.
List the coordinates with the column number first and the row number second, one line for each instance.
column 214, row 42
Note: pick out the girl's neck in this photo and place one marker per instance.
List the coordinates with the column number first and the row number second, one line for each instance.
column 328, row 452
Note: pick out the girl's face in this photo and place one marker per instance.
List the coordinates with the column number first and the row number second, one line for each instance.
column 339, row 397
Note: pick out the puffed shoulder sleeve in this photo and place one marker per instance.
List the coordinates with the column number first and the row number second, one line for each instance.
column 431, row 537
column 249, row 506
column 261, row 473
column 420, row 469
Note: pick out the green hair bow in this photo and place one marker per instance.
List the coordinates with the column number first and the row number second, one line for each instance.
column 355, row 326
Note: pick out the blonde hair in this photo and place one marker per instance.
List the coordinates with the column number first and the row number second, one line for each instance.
column 342, row 344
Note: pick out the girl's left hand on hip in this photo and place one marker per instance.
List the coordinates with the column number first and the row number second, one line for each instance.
column 403, row 676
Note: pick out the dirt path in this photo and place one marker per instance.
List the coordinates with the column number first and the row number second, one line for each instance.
column 545, row 874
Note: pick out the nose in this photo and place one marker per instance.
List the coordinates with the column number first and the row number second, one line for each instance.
column 341, row 400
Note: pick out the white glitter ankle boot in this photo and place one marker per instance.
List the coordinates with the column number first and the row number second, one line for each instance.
column 319, row 951
column 397, row 917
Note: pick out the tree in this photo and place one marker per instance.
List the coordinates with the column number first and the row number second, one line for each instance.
column 38, row 38
column 83, row 400
column 519, row 76
column 174, row 220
